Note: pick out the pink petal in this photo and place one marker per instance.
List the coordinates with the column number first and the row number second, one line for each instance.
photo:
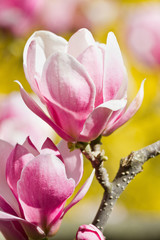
column 33, row 65
column 5, row 192
column 132, row 109
column 43, row 189
column 18, row 158
column 98, row 119
column 32, row 230
column 92, row 60
column 49, row 145
column 73, row 161
column 30, row 147
column 10, row 232
column 32, row 105
column 54, row 226
column 81, row 193
column 48, row 41
column 115, row 76
column 38, row 47
column 89, row 232
column 4, row 206
column 10, row 229
column 80, row 41
column 69, row 91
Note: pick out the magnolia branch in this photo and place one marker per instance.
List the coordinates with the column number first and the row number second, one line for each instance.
column 130, row 166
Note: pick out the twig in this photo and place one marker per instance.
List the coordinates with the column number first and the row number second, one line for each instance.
column 130, row 166
column 92, row 151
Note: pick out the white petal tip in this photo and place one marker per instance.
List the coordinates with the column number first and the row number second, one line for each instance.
column 16, row 81
column 111, row 37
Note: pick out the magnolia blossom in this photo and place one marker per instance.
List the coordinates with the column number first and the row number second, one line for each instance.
column 17, row 122
column 143, row 34
column 34, row 187
column 19, row 16
column 89, row 232
column 82, row 83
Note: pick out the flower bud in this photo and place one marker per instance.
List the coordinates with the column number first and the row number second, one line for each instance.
column 89, row 232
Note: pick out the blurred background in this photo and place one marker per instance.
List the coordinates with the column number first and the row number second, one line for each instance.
column 136, row 25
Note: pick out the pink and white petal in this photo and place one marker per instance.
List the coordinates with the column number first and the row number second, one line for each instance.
column 10, row 232
column 102, row 47
column 37, row 49
column 5, row 191
column 49, row 147
column 66, row 120
column 54, row 227
column 115, row 75
column 33, row 65
column 13, row 227
column 81, row 193
column 5, row 207
column 89, row 232
column 63, row 75
column 30, row 147
column 115, row 116
column 18, row 158
column 132, row 109
column 69, row 90
column 48, row 222
column 48, row 41
column 32, row 105
column 93, row 60
column 80, row 41
column 33, row 231
column 43, row 189
column 98, row 119
column 73, row 161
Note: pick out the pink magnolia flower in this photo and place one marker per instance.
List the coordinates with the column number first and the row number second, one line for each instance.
column 143, row 34
column 82, row 83
column 17, row 122
column 89, row 232
column 19, row 16
column 34, row 187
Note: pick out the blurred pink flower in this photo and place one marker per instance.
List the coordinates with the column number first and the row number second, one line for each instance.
column 34, row 187
column 19, row 16
column 89, row 232
column 62, row 15
column 22, row 16
column 17, row 122
column 82, row 83
column 143, row 34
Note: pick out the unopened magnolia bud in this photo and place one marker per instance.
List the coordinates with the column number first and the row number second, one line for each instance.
column 89, row 232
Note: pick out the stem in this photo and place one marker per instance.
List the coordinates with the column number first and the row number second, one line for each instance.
column 92, row 151
column 130, row 166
